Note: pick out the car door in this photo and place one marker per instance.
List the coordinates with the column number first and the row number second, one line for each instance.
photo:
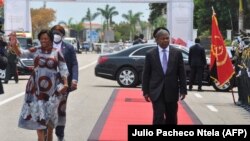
column 139, row 57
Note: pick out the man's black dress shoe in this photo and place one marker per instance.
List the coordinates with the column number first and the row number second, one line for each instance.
column 200, row 90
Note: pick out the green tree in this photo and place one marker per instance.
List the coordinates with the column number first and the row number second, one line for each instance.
column 246, row 12
column 157, row 9
column 143, row 26
column 108, row 14
column 122, row 28
column 160, row 22
column 77, row 27
column 226, row 11
column 227, row 14
column 132, row 19
column 90, row 17
column 117, row 36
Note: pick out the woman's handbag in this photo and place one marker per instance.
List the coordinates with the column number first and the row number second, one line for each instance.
column 3, row 62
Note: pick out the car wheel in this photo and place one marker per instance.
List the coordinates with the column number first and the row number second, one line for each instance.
column 224, row 88
column 127, row 77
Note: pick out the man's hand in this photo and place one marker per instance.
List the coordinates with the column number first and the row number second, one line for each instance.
column 182, row 96
column 146, row 97
column 73, row 85
column 62, row 89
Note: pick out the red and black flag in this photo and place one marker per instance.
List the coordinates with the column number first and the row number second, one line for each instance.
column 221, row 67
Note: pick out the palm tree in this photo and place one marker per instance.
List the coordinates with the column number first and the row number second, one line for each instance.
column 145, row 28
column 90, row 17
column 132, row 19
column 160, row 22
column 108, row 14
column 77, row 27
column 70, row 22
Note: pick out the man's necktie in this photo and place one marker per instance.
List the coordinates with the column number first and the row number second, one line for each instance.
column 164, row 61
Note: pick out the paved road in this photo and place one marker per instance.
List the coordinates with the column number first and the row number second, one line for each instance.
column 87, row 103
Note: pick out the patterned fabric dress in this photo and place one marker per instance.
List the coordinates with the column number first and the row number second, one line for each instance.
column 41, row 96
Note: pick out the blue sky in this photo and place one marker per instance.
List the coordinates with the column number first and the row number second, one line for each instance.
column 77, row 10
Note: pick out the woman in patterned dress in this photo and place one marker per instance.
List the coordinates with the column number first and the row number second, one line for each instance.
column 45, row 86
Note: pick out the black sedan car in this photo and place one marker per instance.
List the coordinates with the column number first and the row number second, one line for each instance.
column 25, row 65
column 126, row 66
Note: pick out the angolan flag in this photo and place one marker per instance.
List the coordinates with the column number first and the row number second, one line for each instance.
column 221, row 68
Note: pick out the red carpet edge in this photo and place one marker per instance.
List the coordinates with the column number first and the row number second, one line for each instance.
column 102, row 120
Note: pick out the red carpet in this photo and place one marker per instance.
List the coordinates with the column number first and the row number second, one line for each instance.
column 128, row 107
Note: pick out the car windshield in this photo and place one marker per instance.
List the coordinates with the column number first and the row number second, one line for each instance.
column 25, row 43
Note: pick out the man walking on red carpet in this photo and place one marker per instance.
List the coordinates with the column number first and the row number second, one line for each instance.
column 164, row 78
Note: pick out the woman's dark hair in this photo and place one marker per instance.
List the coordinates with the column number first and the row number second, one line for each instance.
column 46, row 31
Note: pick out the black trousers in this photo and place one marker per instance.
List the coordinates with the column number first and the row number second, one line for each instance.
column 164, row 112
column 11, row 70
column 243, row 87
column 60, row 131
column 196, row 74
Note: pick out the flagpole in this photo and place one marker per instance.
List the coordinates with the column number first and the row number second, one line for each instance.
column 232, row 84
column 233, row 92
column 213, row 10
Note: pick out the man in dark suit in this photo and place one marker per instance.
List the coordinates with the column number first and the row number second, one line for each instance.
column 3, row 44
column 197, row 61
column 164, row 79
column 72, row 64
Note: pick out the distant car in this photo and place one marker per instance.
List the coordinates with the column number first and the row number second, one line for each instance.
column 85, row 46
column 25, row 42
column 103, row 48
column 126, row 66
